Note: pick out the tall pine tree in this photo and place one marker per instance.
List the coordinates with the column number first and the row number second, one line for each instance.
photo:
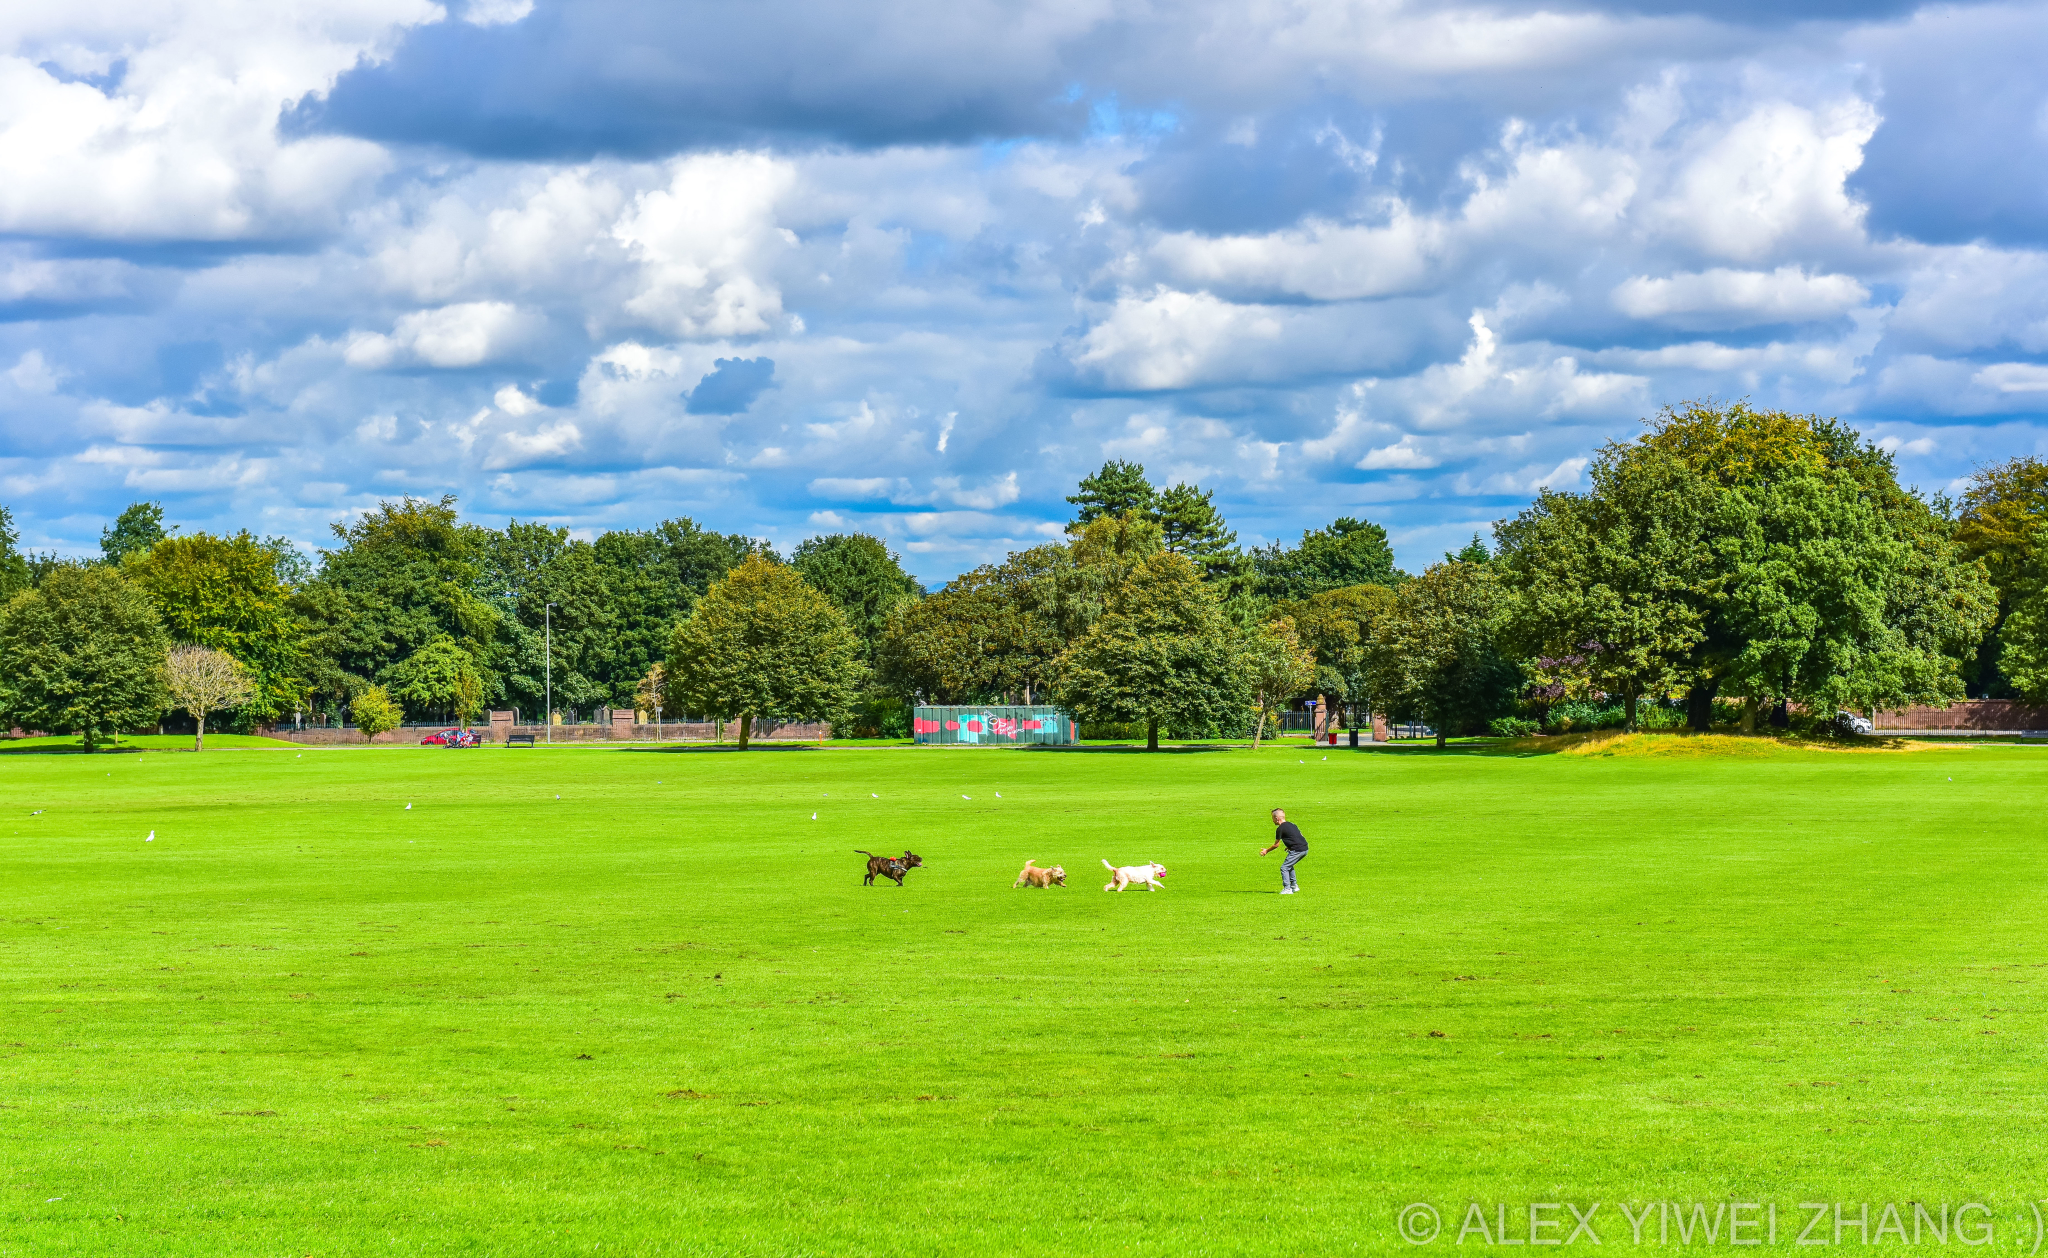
column 1117, row 489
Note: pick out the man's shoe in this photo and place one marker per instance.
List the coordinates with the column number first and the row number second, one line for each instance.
column 1287, row 891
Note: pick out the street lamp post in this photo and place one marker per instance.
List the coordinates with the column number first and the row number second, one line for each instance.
column 548, row 669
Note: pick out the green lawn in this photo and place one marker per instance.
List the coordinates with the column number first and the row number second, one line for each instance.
column 661, row 1015
column 43, row 744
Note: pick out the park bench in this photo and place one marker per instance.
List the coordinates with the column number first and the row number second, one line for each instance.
column 515, row 740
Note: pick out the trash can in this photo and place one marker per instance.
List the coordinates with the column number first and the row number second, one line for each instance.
column 1354, row 736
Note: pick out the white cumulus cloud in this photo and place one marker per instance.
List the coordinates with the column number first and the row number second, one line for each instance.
column 467, row 334
column 706, row 245
column 1724, row 298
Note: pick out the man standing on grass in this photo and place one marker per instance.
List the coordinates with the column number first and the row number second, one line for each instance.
column 1286, row 832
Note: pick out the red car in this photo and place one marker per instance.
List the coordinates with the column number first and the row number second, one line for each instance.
column 452, row 738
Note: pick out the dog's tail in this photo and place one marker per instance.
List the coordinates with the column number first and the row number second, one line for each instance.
column 1111, row 868
column 863, row 851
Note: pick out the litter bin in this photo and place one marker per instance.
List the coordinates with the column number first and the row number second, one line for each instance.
column 1354, row 736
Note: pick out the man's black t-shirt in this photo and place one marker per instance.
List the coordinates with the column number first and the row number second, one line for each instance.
column 1289, row 834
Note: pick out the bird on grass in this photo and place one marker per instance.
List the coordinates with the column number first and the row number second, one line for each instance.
column 872, row 795
column 814, row 816
column 151, row 838
column 40, row 811
column 968, row 798
column 408, row 807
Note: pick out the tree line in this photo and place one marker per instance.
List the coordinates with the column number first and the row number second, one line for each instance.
column 1727, row 563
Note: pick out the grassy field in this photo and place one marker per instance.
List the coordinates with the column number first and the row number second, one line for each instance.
column 73, row 744
column 611, row 1001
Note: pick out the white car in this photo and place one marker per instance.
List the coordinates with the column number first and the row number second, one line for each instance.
column 1850, row 723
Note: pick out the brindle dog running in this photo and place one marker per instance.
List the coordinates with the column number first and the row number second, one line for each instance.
column 889, row 866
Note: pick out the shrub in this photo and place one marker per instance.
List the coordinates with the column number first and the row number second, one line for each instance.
column 875, row 716
column 1580, row 715
column 1122, row 731
column 375, row 713
column 1658, row 717
column 1511, row 727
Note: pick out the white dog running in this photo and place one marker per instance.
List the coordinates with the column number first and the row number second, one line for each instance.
column 1119, row 878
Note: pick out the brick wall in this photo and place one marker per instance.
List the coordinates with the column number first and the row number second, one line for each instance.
column 1985, row 714
column 671, row 731
column 339, row 737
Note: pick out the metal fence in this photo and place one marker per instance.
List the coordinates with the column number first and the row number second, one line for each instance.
column 993, row 726
column 1410, row 731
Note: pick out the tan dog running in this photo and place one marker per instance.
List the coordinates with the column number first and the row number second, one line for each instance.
column 1040, row 877
column 1119, row 878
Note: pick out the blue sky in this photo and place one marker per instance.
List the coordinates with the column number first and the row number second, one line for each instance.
column 913, row 269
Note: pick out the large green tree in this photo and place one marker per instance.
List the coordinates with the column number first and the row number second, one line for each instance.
column 14, row 567
column 1103, row 555
column 438, row 678
column 1609, row 586
column 574, row 643
column 2004, row 512
column 1347, row 552
column 402, row 575
column 653, row 578
column 1436, row 654
column 2022, row 659
column 1161, row 653
column 224, row 593
column 862, row 577
column 133, row 532
column 762, row 643
column 1337, row 627
column 84, row 653
column 1829, row 584
column 616, row 603
column 992, row 634
column 1190, row 525
column 1117, row 489
column 1755, row 553
column 1837, row 601
column 1276, row 667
